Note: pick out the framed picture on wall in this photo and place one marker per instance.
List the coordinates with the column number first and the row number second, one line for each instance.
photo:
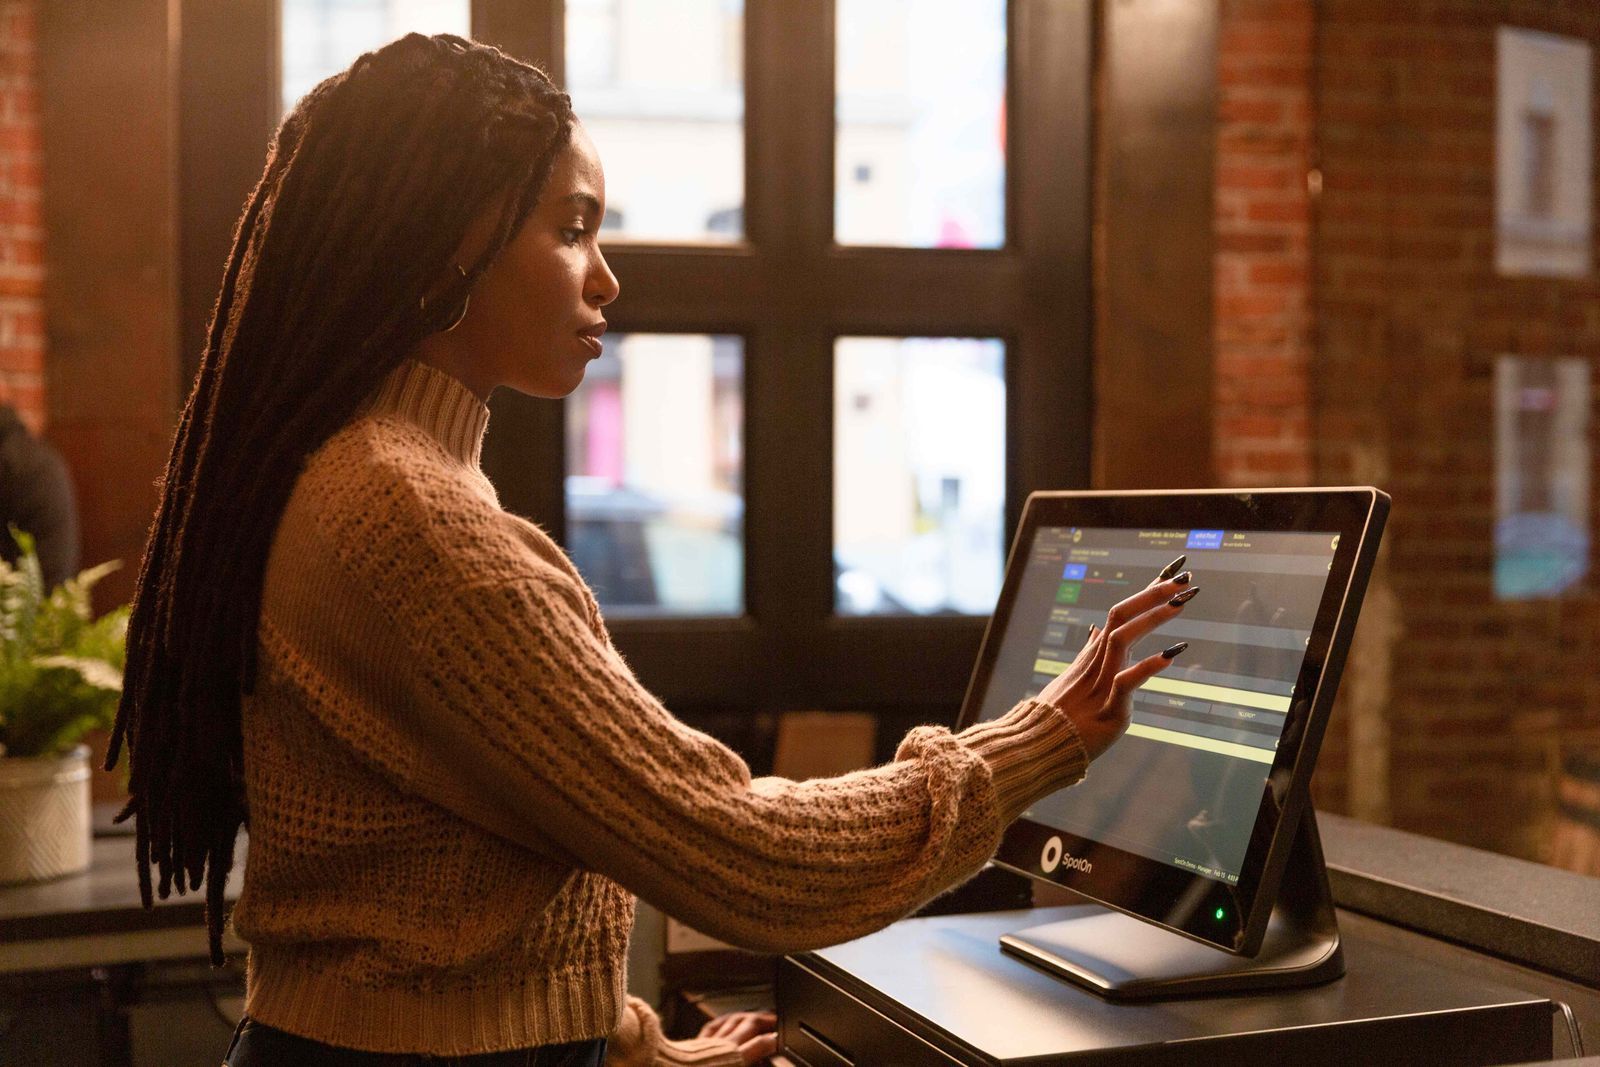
column 1543, row 154
column 1542, row 461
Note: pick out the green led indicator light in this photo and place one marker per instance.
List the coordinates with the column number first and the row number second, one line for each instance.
column 1219, row 914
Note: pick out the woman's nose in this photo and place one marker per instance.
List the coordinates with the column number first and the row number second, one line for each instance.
column 603, row 285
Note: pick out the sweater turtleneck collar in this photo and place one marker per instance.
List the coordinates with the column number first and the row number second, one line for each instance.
column 450, row 412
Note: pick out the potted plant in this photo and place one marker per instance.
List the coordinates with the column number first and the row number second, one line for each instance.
column 60, row 679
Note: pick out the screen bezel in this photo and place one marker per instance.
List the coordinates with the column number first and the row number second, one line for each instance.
column 1181, row 901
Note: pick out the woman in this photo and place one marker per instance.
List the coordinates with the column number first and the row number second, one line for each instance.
column 453, row 784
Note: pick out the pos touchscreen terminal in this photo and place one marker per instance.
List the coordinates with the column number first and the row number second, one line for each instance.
column 1194, row 830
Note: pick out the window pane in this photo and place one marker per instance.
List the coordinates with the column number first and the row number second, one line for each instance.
column 655, row 472
column 918, row 474
column 660, row 88
column 919, row 155
column 322, row 37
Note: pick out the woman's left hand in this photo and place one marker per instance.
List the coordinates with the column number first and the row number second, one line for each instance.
column 755, row 1032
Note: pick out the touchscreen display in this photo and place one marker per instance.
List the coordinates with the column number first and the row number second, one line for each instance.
column 1183, row 786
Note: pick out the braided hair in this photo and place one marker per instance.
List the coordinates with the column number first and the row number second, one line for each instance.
column 370, row 185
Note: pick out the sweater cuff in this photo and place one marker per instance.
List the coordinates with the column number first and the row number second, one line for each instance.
column 699, row 1052
column 1032, row 751
column 638, row 1042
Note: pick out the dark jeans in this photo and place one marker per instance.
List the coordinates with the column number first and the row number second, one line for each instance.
column 259, row 1045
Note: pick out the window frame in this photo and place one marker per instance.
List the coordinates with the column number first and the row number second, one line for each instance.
column 789, row 291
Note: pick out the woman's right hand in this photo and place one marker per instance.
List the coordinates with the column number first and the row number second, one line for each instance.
column 755, row 1032
column 1095, row 691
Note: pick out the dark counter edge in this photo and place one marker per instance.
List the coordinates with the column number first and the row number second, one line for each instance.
column 174, row 913
column 1527, row 913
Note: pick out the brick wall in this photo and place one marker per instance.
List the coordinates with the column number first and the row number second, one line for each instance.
column 1263, row 242
column 1481, row 696
column 21, row 224
column 1358, row 317
column 1262, row 289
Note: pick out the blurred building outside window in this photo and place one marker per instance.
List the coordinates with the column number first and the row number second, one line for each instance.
column 660, row 89
column 655, row 469
column 919, row 155
column 919, row 475
column 322, row 37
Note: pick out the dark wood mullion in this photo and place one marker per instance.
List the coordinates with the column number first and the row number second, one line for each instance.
column 228, row 106
column 789, row 370
column 1050, row 389
column 696, row 663
column 920, row 292
column 788, row 511
column 530, row 30
column 669, row 289
column 1157, row 135
column 789, row 126
column 524, row 450
column 910, row 292
column 899, row 661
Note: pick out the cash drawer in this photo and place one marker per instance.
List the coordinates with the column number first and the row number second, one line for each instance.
column 823, row 1026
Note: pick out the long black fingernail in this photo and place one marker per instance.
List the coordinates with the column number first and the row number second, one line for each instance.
column 1183, row 579
column 1184, row 597
column 1172, row 652
column 1170, row 569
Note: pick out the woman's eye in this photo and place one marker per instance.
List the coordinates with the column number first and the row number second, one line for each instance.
column 571, row 236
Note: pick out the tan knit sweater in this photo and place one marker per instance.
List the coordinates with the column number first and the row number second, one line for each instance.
column 456, row 785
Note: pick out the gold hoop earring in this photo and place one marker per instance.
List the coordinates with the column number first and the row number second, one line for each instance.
column 461, row 313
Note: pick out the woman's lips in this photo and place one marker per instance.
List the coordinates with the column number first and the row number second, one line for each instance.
column 590, row 335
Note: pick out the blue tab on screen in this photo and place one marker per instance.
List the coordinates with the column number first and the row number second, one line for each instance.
column 1204, row 539
column 1075, row 572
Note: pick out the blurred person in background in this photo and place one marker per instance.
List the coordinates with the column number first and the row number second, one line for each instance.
column 36, row 497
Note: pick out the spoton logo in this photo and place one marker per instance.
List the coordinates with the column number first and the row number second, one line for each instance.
column 1054, row 855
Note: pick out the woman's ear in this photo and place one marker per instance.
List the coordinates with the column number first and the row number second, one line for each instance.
column 472, row 246
column 481, row 230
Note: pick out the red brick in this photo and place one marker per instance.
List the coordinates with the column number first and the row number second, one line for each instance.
column 25, row 392
column 20, row 211
column 1295, row 209
column 17, row 360
column 1238, row 241
column 1280, row 273
column 22, row 329
column 1261, row 426
column 1234, row 108
column 1265, row 39
column 19, row 138
column 1262, row 73
column 1255, row 304
column 1282, row 177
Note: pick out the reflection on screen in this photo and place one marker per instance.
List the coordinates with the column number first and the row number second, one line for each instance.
column 1183, row 786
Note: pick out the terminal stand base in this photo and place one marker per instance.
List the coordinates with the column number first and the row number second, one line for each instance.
column 1123, row 958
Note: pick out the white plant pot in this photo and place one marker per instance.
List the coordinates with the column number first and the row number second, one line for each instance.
column 44, row 816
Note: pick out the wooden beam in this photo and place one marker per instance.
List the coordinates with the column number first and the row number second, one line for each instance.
column 1158, row 119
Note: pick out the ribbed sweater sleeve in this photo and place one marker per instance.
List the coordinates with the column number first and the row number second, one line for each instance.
column 638, row 1042
column 529, row 708
column 522, row 718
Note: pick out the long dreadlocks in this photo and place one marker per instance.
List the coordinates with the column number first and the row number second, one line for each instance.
column 369, row 187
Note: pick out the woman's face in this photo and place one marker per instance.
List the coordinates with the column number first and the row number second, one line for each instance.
column 534, row 318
